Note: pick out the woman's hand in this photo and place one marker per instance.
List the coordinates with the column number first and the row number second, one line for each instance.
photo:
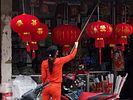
column 76, row 44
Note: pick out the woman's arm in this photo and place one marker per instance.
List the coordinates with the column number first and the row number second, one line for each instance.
column 70, row 56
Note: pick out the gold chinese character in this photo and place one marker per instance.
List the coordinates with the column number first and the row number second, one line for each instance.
column 34, row 22
column 40, row 31
column 19, row 23
column 26, row 33
column 33, row 42
column 126, row 30
column 95, row 30
column 99, row 38
column 102, row 28
column 124, row 37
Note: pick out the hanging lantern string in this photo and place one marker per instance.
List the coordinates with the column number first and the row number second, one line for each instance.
column 100, row 56
column 23, row 6
column 32, row 10
column 125, row 8
column 98, row 16
column 67, row 13
column 114, row 12
column 86, row 23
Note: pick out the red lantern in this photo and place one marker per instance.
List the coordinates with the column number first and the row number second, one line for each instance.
column 26, row 37
column 65, row 35
column 41, row 32
column 123, row 30
column 112, row 40
column 33, row 46
column 24, row 23
column 99, row 30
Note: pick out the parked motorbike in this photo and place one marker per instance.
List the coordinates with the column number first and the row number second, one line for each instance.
column 33, row 93
column 72, row 86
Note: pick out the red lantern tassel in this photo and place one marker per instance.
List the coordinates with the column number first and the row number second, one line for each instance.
column 27, row 47
column 33, row 45
column 100, row 56
column 122, row 39
column 123, row 47
column 33, row 54
column 99, row 43
column 25, row 36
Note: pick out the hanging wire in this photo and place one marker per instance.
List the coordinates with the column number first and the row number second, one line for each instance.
column 98, row 11
column 64, row 12
column 23, row 6
column 67, row 13
column 114, row 22
column 32, row 7
column 125, row 8
column 32, row 10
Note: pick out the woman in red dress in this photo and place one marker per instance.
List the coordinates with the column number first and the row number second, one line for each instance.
column 51, row 70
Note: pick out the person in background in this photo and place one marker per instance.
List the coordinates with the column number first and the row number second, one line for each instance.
column 51, row 71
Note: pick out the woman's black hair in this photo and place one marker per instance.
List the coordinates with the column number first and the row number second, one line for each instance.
column 51, row 57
